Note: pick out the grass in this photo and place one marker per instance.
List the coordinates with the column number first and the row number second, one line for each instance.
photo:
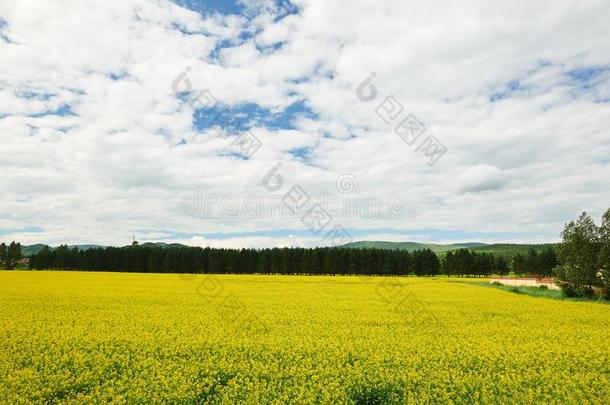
column 76, row 337
column 536, row 292
column 532, row 291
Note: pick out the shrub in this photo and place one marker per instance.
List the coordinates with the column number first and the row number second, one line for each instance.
column 585, row 291
column 606, row 293
column 496, row 283
column 543, row 287
column 568, row 290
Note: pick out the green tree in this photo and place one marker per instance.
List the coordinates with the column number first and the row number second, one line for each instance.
column 547, row 261
column 532, row 262
column 13, row 255
column 501, row 266
column 3, row 254
column 518, row 264
column 579, row 253
column 464, row 262
column 603, row 258
column 448, row 264
column 432, row 262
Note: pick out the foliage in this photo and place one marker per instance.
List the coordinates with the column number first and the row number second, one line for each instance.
column 74, row 337
column 585, row 257
column 534, row 262
column 466, row 262
column 529, row 290
column 10, row 255
column 603, row 257
column 509, row 250
column 506, row 250
column 157, row 259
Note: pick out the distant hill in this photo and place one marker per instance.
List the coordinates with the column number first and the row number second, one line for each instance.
column 85, row 247
column 163, row 245
column 510, row 249
column 468, row 245
column 29, row 250
column 411, row 246
column 505, row 249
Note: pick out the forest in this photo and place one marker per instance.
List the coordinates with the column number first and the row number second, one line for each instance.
column 363, row 261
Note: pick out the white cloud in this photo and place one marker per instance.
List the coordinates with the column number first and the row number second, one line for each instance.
column 481, row 178
column 517, row 92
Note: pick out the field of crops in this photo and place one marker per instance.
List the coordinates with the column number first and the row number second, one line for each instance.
column 75, row 337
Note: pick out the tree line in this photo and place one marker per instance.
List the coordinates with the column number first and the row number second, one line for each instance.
column 365, row 261
column 533, row 262
column 464, row 262
column 239, row 261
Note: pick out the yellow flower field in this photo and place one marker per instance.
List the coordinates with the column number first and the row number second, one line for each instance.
column 74, row 337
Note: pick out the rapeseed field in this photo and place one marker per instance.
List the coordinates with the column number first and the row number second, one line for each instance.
column 74, row 337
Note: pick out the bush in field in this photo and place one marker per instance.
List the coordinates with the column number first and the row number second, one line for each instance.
column 568, row 290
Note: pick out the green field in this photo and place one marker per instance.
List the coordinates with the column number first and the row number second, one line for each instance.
column 79, row 337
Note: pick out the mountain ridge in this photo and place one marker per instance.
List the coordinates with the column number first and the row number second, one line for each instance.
column 507, row 249
column 29, row 250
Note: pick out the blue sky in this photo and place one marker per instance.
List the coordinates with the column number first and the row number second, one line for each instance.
column 461, row 126
column 213, row 6
column 242, row 117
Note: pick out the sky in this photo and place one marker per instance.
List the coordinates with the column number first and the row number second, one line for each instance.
column 255, row 123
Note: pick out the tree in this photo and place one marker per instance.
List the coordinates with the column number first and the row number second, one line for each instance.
column 547, row 261
column 501, row 266
column 42, row 260
column 518, row 264
column 484, row 263
column 430, row 263
column 603, row 258
column 3, row 254
column 12, row 255
column 61, row 256
column 579, row 252
column 464, row 262
column 448, row 264
column 532, row 262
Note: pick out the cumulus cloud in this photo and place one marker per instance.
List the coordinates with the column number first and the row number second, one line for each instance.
column 481, row 178
column 99, row 145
